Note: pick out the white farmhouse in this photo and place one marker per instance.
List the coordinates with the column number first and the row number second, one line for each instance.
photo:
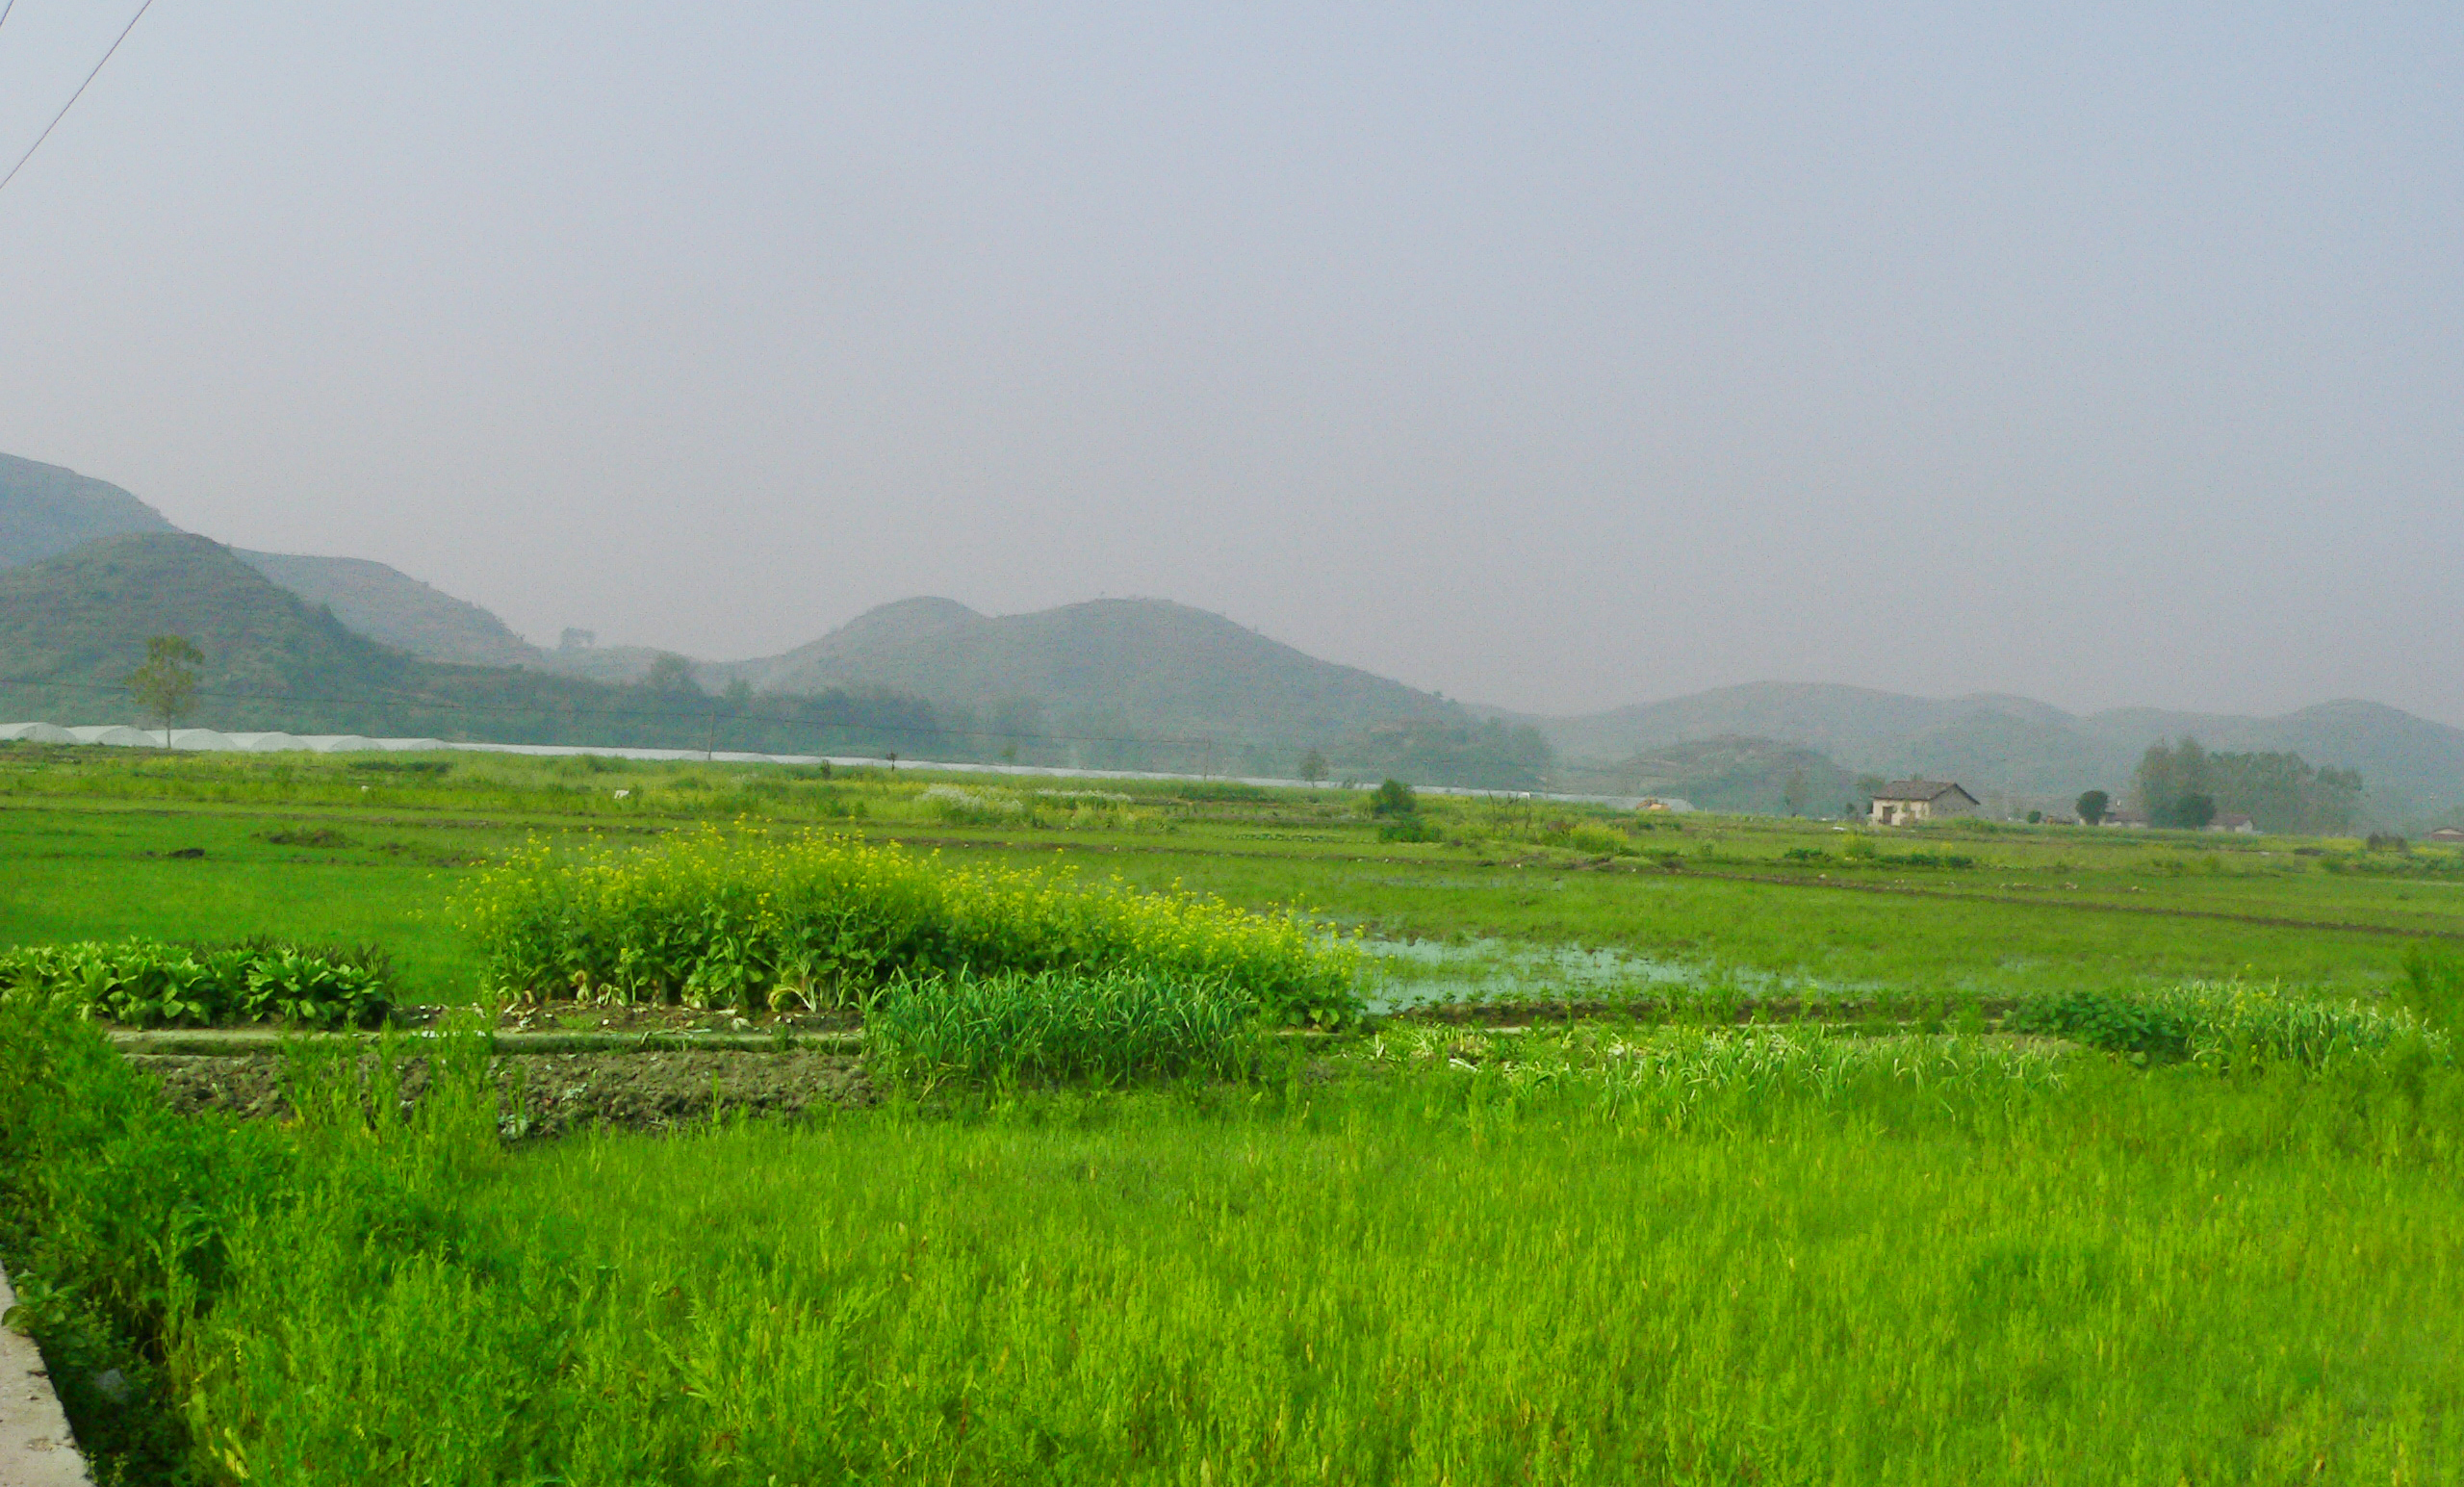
column 1905, row 802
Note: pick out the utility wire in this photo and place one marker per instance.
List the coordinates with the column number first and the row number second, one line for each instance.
column 72, row 97
column 4, row 10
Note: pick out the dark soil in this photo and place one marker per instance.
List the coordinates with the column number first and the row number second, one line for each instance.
column 570, row 1017
column 553, row 1093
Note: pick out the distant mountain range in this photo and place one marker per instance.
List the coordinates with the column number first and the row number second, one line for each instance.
column 1111, row 664
column 73, row 626
column 88, row 569
column 46, row 510
column 2015, row 746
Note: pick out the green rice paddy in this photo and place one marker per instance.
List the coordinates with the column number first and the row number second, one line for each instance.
column 1781, row 1171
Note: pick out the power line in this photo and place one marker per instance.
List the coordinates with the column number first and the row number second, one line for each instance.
column 72, row 97
column 4, row 10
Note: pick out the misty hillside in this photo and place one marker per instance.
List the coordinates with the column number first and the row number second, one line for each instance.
column 2018, row 746
column 46, row 510
column 1140, row 684
column 1148, row 665
column 1107, row 682
column 72, row 626
column 392, row 607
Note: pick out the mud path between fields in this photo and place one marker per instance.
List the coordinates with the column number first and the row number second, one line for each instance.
column 549, row 1094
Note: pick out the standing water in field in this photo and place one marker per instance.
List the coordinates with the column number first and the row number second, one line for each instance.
column 1407, row 974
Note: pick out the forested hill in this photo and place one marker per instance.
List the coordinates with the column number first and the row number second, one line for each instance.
column 1106, row 668
column 1131, row 683
column 45, row 509
column 386, row 604
column 72, row 626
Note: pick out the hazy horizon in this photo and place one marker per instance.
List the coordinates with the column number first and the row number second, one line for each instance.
column 1556, row 360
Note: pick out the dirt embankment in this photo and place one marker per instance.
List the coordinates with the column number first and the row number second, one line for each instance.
column 551, row 1095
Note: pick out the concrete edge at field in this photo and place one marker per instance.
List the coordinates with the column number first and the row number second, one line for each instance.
column 35, row 1448
column 210, row 1043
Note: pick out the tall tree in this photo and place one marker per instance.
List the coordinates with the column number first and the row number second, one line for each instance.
column 2091, row 806
column 2283, row 792
column 670, row 672
column 165, row 685
column 2175, row 783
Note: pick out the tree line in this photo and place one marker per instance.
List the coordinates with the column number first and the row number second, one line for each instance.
column 2184, row 785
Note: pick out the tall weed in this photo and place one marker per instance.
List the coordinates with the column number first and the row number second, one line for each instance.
column 128, row 1228
column 2218, row 1024
column 734, row 920
column 1101, row 1027
column 2433, row 987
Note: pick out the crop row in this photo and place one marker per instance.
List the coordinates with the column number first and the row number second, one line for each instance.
column 149, row 983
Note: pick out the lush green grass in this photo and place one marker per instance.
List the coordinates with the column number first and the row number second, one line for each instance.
column 85, row 832
column 1759, row 1256
column 89, row 874
column 1601, row 1253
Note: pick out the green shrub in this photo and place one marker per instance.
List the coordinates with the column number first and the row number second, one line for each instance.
column 2215, row 1022
column 728, row 919
column 1411, row 828
column 1599, row 840
column 1928, row 860
column 2432, row 989
column 131, row 1231
column 2116, row 1022
column 144, row 983
column 117, row 1213
column 1393, row 798
column 1106, row 1026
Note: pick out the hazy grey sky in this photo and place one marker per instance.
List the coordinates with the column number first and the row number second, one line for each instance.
column 1554, row 357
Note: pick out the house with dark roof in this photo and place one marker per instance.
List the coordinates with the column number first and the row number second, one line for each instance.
column 1907, row 802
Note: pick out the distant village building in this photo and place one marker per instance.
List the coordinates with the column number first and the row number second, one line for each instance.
column 2232, row 821
column 2124, row 815
column 1905, row 802
column 2447, row 836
